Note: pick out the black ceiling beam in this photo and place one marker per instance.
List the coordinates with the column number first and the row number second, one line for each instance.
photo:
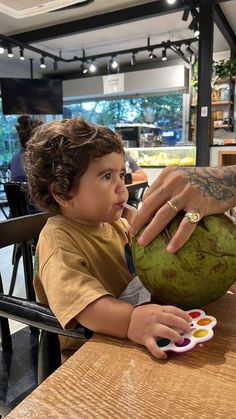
column 225, row 28
column 118, row 17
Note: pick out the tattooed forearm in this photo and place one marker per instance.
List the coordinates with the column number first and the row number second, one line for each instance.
column 216, row 183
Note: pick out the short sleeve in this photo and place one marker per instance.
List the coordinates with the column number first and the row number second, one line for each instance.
column 68, row 285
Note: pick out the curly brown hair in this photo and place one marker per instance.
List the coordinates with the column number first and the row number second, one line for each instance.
column 59, row 153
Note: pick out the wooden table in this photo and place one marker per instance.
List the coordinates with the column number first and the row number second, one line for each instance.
column 115, row 379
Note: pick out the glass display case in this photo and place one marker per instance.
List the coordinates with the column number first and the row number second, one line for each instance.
column 164, row 156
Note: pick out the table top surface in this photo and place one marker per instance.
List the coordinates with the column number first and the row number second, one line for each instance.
column 114, row 378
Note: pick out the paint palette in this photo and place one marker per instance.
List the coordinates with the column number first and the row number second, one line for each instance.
column 201, row 331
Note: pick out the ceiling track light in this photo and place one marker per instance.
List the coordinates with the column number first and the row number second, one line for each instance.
column 22, row 57
column 196, row 30
column 83, row 68
column 55, row 65
column 114, row 63
column 88, row 61
column 164, row 56
column 133, row 59
column 186, row 13
column 171, row 1
column 9, row 52
column 152, row 56
column 92, row 67
column 42, row 62
column 193, row 23
column 189, row 50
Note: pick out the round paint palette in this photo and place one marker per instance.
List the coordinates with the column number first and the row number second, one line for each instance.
column 201, row 331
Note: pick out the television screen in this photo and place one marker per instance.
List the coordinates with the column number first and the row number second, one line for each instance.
column 31, row 96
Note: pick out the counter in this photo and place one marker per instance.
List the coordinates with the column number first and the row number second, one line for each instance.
column 153, row 159
column 183, row 155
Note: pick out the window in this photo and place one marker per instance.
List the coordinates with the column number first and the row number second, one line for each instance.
column 164, row 111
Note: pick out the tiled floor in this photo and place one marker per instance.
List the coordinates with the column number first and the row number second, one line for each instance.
column 18, row 370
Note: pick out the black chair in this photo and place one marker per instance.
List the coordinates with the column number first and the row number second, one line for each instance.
column 136, row 194
column 38, row 316
column 19, row 204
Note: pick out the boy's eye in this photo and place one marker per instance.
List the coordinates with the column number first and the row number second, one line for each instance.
column 107, row 176
column 122, row 175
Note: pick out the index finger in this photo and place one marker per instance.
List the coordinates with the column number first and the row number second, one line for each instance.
column 156, row 224
column 150, row 205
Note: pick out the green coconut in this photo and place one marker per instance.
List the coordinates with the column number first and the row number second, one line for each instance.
column 199, row 273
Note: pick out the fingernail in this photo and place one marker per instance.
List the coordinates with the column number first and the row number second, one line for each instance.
column 132, row 230
column 141, row 241
column 170, row 248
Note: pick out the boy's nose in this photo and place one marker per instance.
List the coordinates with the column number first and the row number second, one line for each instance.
column 121, row 185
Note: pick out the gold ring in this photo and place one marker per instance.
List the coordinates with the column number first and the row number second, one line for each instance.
column 173, row 206
column 193, row 216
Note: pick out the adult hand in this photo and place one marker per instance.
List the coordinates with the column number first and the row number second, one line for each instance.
column 206, row 190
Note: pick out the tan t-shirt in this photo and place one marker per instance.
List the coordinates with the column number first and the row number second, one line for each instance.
column 77, row 264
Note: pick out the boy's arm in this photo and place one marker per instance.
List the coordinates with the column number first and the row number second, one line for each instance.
column 108, row 316
column 142, row 324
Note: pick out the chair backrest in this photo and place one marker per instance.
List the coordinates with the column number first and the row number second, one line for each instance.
column 18, row 199
column 22, row 230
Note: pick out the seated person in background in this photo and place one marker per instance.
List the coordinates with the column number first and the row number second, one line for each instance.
column 76, row 170
column 25, row 126
column 138, row 174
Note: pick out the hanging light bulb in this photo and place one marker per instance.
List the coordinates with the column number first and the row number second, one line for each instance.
column 22, row 54
column 171, row 1
column 42, row 62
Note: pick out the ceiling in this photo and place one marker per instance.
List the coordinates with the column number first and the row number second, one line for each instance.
column 102, row 27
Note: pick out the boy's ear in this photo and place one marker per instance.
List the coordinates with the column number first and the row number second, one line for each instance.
column 61, row 201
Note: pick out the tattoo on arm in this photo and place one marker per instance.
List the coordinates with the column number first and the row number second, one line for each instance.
column 213, row 182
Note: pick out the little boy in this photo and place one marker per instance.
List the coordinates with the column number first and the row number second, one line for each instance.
column 76, row 171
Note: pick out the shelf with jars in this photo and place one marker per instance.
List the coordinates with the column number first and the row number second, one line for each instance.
column 221, row 97
column 182, row 155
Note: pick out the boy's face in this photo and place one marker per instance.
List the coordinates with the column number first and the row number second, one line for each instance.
column 101, row 193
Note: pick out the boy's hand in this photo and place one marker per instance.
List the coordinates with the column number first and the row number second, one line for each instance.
column 151, row 321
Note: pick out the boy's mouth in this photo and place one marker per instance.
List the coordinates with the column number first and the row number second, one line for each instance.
column 120, row 205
